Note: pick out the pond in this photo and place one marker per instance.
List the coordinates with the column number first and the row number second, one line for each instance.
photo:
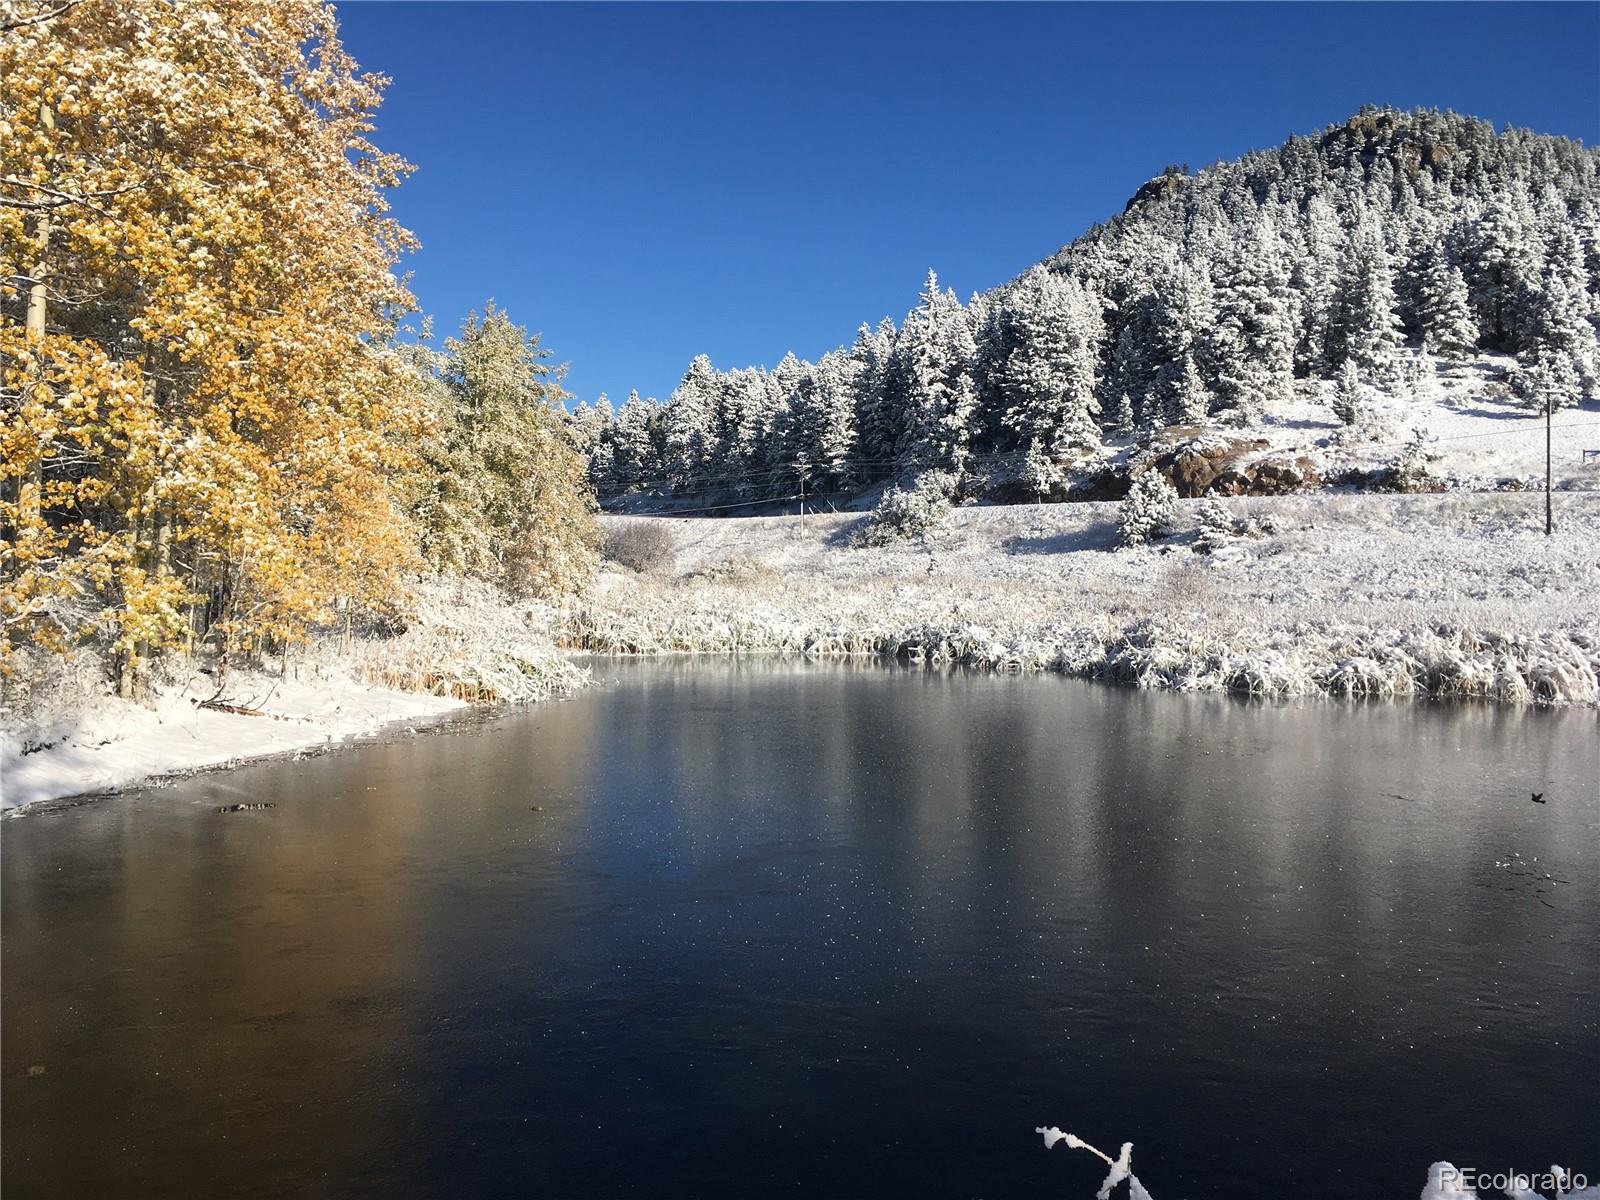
column 723, row 928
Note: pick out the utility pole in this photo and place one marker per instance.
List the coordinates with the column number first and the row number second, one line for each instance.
column 1549, row 510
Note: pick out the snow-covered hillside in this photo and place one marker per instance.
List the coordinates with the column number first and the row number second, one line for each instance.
column 1348, row 263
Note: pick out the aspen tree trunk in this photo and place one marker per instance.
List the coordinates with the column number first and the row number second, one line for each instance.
column 29, row 500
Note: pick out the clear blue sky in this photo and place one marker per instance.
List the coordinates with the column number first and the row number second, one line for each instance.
column 644, row 183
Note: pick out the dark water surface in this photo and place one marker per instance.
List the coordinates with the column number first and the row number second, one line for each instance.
column 821, row 932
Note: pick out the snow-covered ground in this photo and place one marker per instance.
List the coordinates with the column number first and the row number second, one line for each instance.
column 1477, row 434
column 463, row 641
column 1452, row 593
column 111, row 743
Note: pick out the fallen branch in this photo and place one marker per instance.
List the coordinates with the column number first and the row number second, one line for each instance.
column 238, row 710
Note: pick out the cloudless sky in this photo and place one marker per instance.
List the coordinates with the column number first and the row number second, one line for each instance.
column 642, row 183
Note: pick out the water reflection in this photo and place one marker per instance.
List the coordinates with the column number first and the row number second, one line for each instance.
column 725, row 928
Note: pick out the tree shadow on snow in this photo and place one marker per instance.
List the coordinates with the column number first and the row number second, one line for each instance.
column 844, row 537
column 1093, row 537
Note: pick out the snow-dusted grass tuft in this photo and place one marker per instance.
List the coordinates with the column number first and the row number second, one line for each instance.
column 467, row 641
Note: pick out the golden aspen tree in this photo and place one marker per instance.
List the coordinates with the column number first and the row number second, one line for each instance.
column 199, row 401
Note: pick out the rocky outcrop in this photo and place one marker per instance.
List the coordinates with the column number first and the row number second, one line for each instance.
column 1207, row 465
column 1168, row 184
column 1388, row 479
column 1374, row 135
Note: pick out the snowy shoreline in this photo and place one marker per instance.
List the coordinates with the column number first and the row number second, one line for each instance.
column 120, row 744
column 464, row 643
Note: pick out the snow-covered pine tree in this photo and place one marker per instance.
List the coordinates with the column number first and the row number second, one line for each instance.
column 935, row 350
column 1186, row 315
column 1253, row 345
column 751, row 416
column 1351, row 397
column 1365, row 328
column 878, row 415
column 1444, row 313
column 1149, row 510
column 693, row 413
column 634, row 458
column 1128, row 384
column 786, row 380
column 822, row 418
column 1497, row 254
column 1041, row 472
column 593, row 433
column 1314, row 279
column 1047, row 378
column 1557, row 364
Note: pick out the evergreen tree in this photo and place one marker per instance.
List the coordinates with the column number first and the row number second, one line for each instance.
column 1149, row 510
column 592, row 429
column 693, row 414
column 511, row 502
column 1444, row 313
column 1253, row 346
column 1315, row 278
column 935, row 352
column 1557, row 363
column 1497, row 255
column 823, row 422
column 1047, row 378
column 1351, row 403
column 1365, row 328
column 1186, row 318
column 877, row 417
column 634, row 458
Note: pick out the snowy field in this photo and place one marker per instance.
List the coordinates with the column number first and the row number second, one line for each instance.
column 1432, row 594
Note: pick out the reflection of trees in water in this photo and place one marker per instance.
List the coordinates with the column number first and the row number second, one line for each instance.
column 1088, row 887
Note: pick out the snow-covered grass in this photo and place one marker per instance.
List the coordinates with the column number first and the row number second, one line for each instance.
column 465, row 642
column 1453, row 594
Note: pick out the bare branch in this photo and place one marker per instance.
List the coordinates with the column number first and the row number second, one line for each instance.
column 58, row 199
column 40, row 18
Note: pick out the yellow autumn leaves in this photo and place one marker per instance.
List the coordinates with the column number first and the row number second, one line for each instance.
column 206, row 424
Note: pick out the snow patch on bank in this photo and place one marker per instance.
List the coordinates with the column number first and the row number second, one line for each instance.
column 116, row 743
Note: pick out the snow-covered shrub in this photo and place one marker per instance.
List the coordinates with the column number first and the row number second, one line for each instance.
column 1149, row 510
column 1215, row 526
column 1350, row 395
column 1411, row 464
column 639, row 545
column 742, row 569
column 465, row 638
column 907, row 513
